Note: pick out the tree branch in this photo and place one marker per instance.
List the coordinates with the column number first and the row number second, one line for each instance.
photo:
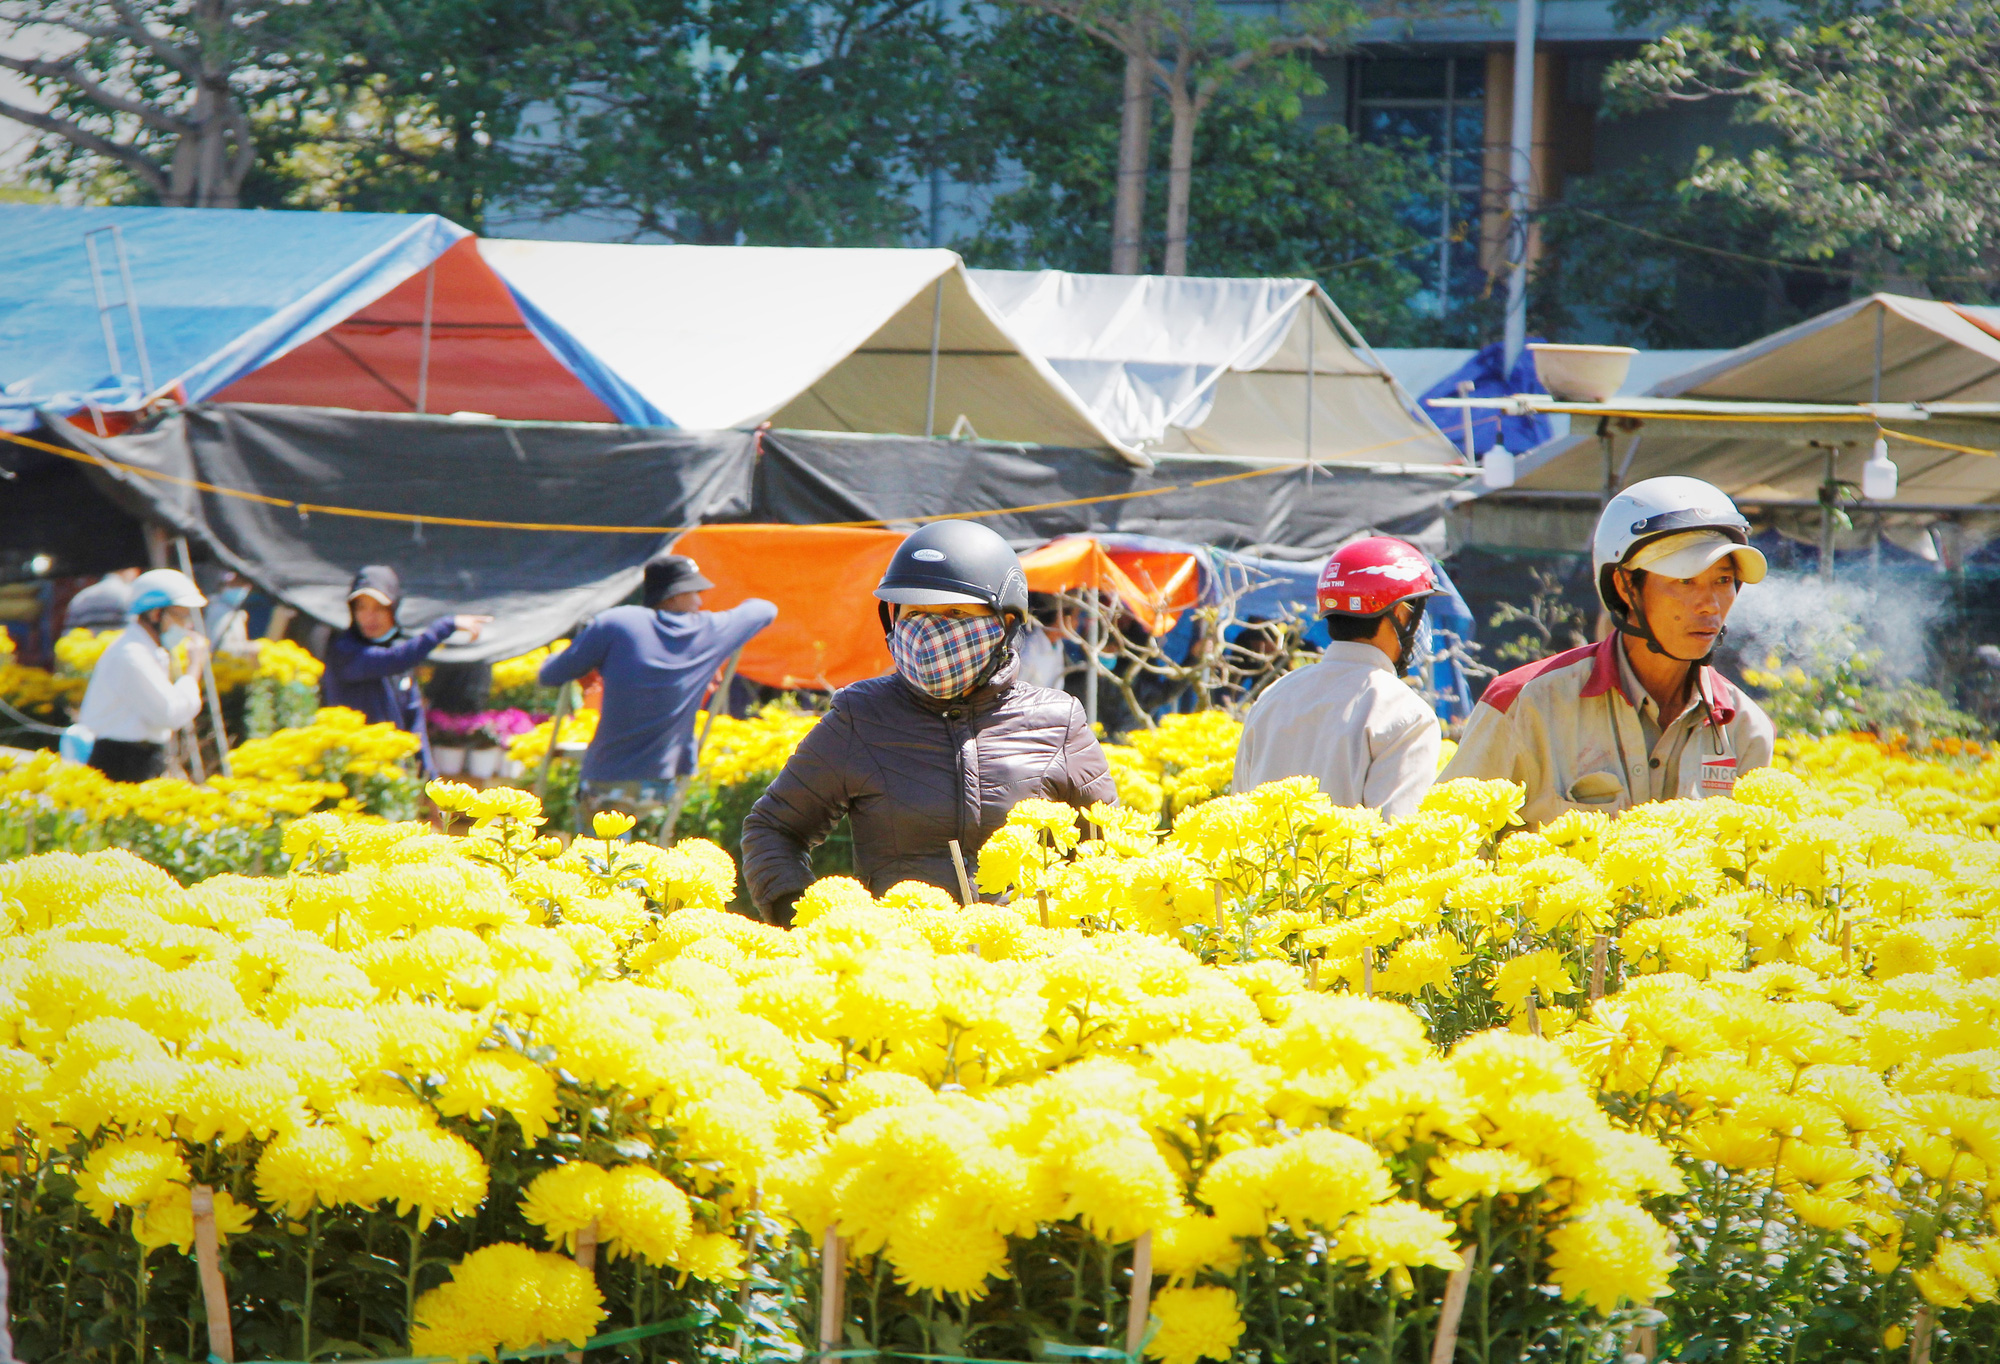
column 136, row 31
column 70, row 73
column 144, row 166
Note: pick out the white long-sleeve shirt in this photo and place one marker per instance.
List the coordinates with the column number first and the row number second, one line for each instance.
column 1349, row 721
column 132, row 697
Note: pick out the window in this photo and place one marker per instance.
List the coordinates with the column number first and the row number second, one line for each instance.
column 1440, row 103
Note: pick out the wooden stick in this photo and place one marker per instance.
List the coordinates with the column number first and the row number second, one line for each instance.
column 1042, row 899
column 1920, row 1335
column 1368, row 972
column 1312, row 973
column 832, row 1291
column 1645, row 1343
column 1142, row 1293
column 555, row 736
column 1218, row 907
column 1446, row 1344
column 1846, row 942
column 1534, row 1014
column 1600, row 948
column 958, row 865
column 586, row 1260
column 208, row 1264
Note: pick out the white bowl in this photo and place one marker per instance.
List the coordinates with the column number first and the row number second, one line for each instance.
column 1582, row 374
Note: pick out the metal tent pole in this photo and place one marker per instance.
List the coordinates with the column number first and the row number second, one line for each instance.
column 1521, row 163
column 207, row 681
column 424, row 354
column 1829, row 493
column 1094, row 636
column 930, row 388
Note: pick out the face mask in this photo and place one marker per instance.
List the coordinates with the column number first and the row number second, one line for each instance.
column 172, row 636
column 382, row 638
column 942, row 655
column 232, row 597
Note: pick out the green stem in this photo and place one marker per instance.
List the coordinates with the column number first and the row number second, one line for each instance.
column 1388, row 1321
column 306, row 1309
column 410, row 1282
column 143, row 1280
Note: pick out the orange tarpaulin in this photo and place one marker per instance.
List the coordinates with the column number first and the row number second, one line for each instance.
column 1154, row 586
column 823, row 581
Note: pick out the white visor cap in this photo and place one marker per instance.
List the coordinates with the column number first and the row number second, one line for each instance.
column 1691, row 553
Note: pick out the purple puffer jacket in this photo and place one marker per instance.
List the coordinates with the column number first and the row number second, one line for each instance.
column 912, row 772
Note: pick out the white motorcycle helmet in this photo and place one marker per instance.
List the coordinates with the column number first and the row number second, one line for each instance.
column 1673, row 525
column 160, row 587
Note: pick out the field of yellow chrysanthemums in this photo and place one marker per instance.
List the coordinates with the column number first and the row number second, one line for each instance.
column 1710, row 1081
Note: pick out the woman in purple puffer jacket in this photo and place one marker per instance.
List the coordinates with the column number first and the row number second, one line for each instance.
column 938, row 750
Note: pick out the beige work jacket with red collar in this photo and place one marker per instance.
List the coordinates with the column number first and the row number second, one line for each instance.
column 1565, row 730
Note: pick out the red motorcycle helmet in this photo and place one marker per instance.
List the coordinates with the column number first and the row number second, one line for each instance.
column 1367, row 577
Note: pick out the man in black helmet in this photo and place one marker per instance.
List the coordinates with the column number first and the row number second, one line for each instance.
column 937, row 751
column 656, row 661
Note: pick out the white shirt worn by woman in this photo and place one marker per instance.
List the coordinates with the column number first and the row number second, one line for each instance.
column 133, row 697
column 1350, row 722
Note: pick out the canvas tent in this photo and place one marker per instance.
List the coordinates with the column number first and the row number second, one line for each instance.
column 1885, row 348
column 1218, row 366
column 832, row 339
column 371, row 311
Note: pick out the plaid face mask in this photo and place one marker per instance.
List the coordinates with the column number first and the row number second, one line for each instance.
column 941, row 655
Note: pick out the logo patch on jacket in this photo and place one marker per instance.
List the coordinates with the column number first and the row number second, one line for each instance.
column 1718, row 775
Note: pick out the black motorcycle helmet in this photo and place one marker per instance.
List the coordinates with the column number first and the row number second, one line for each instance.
column 957, row 561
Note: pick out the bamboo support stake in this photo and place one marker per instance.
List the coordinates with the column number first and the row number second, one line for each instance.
column 208, row 1265
column 1846, row 943
column 832, row 1291
column 1042, row 900
column 1920, row 1335
column 586, row 1260
column 1453, row 1308
column 1368, row 972
column 1600, row 949
column 1142, row 1293
column 958, row 865
column 1312, row 973
column 1534, row 1014
column 1645, row 1343
column 1218, row 908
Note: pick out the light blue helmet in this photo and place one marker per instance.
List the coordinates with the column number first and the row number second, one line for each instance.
column 163, row 587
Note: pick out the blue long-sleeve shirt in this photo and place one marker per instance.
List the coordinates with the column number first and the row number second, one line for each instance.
column 655, row 665
column 375, row 678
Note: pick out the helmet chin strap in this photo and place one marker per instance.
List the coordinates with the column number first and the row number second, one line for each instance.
column 1406, row 635
column 1000, row 652
column 1644, row 631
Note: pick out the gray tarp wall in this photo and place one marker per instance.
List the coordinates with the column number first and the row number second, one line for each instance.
column 578, row 480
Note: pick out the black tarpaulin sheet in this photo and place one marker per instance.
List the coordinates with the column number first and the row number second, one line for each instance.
column 1282, row 512
column 536, row 584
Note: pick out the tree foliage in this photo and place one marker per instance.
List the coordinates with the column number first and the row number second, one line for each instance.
column 159, row 91
column 1279, row 195
column 1882, row 120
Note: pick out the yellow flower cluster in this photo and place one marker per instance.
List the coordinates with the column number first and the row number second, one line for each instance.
column 78, row 650
column 578, row 727
column 333, row 1034
column 522, row 670
column 1188, row 759
column 740, row 752
column 286, row 775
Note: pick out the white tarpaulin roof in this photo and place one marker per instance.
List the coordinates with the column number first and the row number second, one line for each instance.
column 1930, row 353
column 827, row 339
column 1217, row 366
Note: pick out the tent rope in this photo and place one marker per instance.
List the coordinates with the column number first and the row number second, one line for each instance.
column 420, row 518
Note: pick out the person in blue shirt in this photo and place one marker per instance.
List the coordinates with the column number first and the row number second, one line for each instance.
column 368, row 664
column 656, row 661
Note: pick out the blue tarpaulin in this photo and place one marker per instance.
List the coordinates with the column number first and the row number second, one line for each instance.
column 220, row 294
column 1486, row 372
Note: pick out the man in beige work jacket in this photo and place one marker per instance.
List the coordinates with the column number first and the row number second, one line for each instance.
column 1640, row 716
column 1349, row 720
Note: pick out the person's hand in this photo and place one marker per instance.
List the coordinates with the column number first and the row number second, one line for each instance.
column 197, row 650
column 471, row 625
